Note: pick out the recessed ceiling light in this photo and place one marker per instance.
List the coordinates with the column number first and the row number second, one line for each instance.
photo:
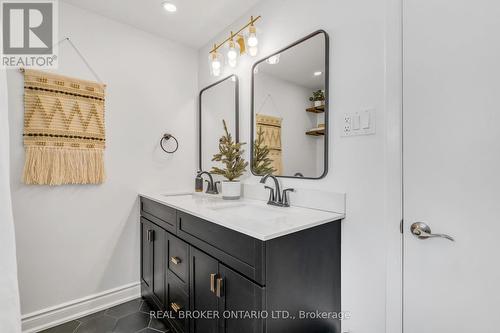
column 169, row 6
column 317, row 73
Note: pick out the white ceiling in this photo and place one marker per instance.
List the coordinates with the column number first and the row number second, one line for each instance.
column 194, row 23
column 298, row 64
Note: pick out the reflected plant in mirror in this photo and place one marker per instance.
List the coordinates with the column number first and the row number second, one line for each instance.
column 261, row 162
column 290, row 110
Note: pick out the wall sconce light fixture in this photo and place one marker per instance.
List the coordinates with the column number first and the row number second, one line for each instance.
column 237, row 46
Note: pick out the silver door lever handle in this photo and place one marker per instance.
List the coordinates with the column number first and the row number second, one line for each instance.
column 422, row 231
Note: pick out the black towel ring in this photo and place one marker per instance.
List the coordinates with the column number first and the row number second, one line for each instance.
column 167, row 137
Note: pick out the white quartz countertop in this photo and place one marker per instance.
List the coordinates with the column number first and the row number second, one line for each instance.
column 251, row 217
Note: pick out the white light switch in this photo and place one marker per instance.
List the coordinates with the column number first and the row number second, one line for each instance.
column 365, row 119
column 355, row 121
column 359, row 123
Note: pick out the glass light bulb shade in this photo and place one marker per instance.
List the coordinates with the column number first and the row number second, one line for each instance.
column 216, row 64
column 253, row 50
column 232, row 53
column 252, row 40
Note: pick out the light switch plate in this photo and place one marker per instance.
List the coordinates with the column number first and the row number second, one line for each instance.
column 359, row 123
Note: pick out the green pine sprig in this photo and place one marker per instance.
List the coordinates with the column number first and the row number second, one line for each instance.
column 231, row 156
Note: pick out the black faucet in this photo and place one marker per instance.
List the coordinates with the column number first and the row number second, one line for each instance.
column 211, row 186
column 276, row 197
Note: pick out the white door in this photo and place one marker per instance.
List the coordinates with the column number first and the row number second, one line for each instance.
column 451, row 111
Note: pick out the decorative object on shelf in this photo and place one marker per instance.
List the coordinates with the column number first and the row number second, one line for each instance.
column 271, row 133
column 318, row 98
column 64, row 130
column 231, row 156
column 262, row 164
column 236, row 47
column 165, row 138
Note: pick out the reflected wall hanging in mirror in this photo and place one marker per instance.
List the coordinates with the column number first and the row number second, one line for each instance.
column 289, row 105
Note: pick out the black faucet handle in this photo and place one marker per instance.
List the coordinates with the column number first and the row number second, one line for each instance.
column 272, row 197
column 216, row 188
column 286, row 202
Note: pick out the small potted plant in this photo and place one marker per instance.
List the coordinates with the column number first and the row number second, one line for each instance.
column 231, row 156
column 318, row 98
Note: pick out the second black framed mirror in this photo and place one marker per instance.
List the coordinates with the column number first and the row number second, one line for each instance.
column 289, row 110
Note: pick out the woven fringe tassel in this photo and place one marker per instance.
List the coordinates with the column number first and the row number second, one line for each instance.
column 58, row 166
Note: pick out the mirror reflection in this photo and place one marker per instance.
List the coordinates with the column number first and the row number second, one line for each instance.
column 290, row 113
column 218, row 102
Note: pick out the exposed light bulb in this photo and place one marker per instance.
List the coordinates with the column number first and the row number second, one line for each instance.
column 232, row 54
column 318, row 73
column 215, row 63
column 273, row 60
column 252, row 37
column 169, row 6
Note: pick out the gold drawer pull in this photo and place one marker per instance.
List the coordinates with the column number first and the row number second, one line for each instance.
column 212, row 283
column 176, row 307
column 219, row 287
column 175, row 260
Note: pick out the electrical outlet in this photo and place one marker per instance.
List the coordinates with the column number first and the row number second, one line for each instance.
column 347, row 124
column 359, row 123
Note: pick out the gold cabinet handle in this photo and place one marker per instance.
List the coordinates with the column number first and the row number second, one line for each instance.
column 175, row 260
column 212, row 282
column 219, row 288
column 176, row 307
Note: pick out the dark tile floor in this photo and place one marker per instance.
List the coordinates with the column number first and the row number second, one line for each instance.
column 130, row 317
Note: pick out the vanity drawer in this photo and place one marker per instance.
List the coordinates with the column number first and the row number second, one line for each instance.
column 178, row 301
column 178, row 258
column 243, row 253
column 158, row 213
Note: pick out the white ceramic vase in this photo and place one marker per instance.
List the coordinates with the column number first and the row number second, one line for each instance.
column 319, row 103
column 231, row 190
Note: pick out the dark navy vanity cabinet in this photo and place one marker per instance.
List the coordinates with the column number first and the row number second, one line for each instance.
column 190, row 266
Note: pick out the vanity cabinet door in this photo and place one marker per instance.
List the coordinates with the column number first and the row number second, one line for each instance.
column 203, row 276
column 240, row 295
column 146, row 257
column 159, row 264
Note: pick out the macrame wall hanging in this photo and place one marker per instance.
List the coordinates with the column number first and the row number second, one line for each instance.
column 271, row 129
column 64, row 131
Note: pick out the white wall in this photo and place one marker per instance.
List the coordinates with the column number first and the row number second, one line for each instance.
column 288, row 101
column 74, row 241
column 360, row 77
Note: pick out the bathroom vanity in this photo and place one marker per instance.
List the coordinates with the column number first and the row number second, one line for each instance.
column 254, row 266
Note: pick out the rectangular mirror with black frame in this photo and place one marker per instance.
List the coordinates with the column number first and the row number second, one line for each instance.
column 217, row 102
column 290, row 110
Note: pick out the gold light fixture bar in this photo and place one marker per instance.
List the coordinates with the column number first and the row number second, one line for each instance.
column 252, row 21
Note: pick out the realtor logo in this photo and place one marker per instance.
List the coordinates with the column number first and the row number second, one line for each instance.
column 28, row 33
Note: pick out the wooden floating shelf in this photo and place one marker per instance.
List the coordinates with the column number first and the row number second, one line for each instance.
column 316, row 132
column 316, row 109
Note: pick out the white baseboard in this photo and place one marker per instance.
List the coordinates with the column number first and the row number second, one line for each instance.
column 56, row 315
